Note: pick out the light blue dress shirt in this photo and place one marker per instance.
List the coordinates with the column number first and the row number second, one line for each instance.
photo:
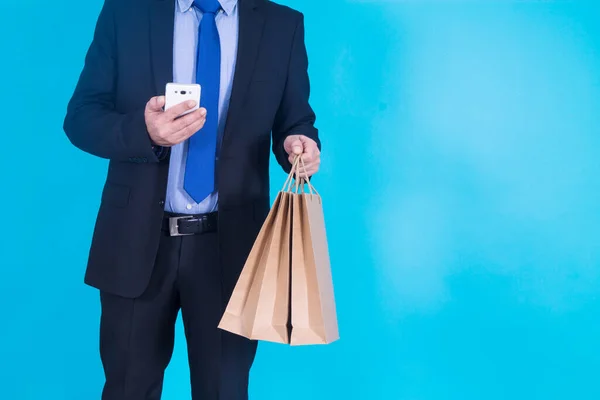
column 187, row 21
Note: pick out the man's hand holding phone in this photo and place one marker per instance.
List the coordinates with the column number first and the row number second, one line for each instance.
column 167, row 128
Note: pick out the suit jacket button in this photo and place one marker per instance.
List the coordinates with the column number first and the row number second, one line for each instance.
column 145, row 159
column 161, row 203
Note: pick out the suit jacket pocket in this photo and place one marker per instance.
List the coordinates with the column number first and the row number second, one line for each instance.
column 115, row 195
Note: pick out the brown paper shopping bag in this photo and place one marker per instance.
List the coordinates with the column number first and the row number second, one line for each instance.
column 241, row 309
column 259, row 306
column 314, row 318
column 270, row 291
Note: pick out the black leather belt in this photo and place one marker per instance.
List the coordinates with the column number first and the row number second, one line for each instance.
column 184, row 225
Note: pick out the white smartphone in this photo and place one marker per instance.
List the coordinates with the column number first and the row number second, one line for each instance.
column 176, row 93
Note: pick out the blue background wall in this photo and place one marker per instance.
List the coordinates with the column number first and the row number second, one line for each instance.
column 461, row 176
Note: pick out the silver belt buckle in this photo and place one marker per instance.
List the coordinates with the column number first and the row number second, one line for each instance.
column 174, row 228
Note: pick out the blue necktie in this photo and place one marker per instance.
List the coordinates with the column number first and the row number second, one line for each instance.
column 199, row 180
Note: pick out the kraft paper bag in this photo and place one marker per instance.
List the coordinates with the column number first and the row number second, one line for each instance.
column 287, row 276
column 259, row 306
column 314, row 318
column 270, row 291
column 241, row 309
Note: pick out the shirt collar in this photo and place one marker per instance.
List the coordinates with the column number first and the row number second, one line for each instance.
column 226, row 5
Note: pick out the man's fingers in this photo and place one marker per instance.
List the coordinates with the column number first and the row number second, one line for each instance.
column 175, row 111
column 188, row 119
column 311, row 168
column 308, row 168
column 189, row 130
column 156, row 104
column 308, row 154
column 194, row 128
column 305, row 174
column 307, row 158
column 184, row 127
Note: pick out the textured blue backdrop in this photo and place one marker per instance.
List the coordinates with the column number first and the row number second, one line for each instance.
column 462, row 185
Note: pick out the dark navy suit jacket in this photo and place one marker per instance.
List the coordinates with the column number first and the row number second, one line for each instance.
column 129, row 61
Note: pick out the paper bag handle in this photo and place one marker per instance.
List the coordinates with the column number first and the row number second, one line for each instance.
column 306, row 180
column 299, row 182
column 287, row 185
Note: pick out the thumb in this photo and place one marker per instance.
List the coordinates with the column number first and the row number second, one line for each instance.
column 297, row 147
column 156, row 104
column 293, row 145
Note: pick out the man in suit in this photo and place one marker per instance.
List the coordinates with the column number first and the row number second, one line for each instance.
column 185, row 197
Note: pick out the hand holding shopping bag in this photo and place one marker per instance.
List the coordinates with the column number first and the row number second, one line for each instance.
column 263, row 303
column 314, row 318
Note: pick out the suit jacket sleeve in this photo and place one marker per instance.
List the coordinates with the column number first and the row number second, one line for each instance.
column 93, row 123
column 295, row 115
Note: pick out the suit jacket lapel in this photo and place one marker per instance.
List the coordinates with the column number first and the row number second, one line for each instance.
column 251, row 23
column 162, row 16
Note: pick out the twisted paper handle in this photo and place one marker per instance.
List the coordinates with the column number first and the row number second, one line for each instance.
column 298, row 165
